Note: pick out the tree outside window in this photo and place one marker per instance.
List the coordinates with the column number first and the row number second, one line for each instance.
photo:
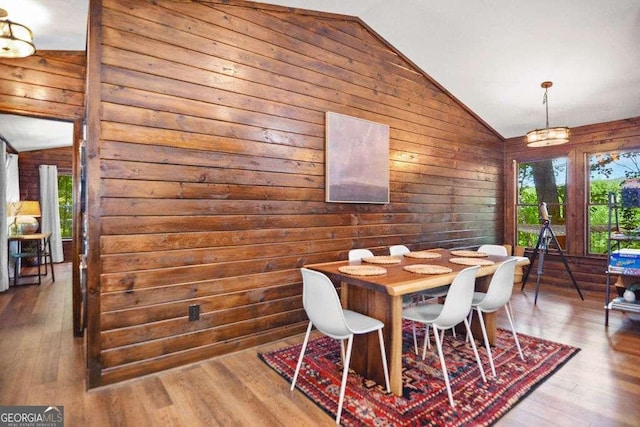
column 541, row 181
column 607, row 171
column 65, row 202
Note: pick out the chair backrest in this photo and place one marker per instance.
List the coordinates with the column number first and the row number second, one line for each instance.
column 322, row 305
column 457, row 305
column 500, row 287
column 358, row 254
column 398, row 250
column 493, row 250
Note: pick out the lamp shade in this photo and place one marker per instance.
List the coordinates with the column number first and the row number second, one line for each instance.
column 24, row 207
column 16, row 40
column 547, row 137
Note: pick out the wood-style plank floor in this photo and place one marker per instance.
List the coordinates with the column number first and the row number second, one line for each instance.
column 42, row 363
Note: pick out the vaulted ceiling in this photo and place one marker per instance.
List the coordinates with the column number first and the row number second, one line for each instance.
column 491, row 55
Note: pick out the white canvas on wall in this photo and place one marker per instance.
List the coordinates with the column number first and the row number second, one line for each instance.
column 357, row 160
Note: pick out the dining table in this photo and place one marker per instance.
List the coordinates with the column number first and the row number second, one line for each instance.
column 380, row 296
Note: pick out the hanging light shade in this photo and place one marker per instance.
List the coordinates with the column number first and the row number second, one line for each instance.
column 547, row 136
column 16, row 40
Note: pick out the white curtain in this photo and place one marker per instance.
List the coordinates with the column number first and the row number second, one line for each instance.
column 12, row 194
column 13, row 180
column 4, row 254
column 50, row 221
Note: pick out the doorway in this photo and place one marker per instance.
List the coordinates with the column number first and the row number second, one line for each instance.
column 26, row 133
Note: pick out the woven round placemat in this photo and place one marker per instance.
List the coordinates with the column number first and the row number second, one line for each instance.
column 469, row 254
column 362, row 270
column 423, row 255
column 427, row 269
column 471, row 261
column 382, row 259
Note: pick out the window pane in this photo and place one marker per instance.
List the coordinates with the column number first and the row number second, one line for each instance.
column 65, row 201
column 607, row 171
column 543, row 181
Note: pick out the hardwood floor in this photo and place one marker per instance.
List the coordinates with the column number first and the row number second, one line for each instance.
column 42, row 363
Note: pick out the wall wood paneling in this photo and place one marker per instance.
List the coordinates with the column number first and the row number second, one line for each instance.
column 48, row 84
column 206, row 145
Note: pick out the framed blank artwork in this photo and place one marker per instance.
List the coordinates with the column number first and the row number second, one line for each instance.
column 357, row 160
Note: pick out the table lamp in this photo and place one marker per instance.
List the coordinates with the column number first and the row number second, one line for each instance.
column 25, row 214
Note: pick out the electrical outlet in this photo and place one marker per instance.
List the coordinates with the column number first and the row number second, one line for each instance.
column 194, row 312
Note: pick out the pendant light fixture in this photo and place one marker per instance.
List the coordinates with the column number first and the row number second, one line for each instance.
column 547, row 136
column 16, row 40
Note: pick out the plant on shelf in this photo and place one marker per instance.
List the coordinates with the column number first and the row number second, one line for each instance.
column 14, row 211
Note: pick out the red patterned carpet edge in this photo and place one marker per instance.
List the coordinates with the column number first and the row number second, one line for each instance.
column 424, row 401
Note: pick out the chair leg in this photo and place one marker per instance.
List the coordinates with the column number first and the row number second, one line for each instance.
column 384, row 360
column 513, row 329
column 426, row 341
column 485, row 337
column 345, row 372
column 443, row 366
column 304, row 347
column 475, row 349
column 415, row 341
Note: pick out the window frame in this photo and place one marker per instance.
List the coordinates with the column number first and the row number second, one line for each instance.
column 605, row 202
column 561, row 206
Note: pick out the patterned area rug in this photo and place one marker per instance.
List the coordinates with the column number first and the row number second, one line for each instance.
column 424, row 401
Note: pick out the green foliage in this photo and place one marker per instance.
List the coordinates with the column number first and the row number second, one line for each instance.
column 65, row 201
column 608, row 171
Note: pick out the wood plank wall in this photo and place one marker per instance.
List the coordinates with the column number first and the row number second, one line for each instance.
column 619, row 135
column 210, row 167
column 49, row 84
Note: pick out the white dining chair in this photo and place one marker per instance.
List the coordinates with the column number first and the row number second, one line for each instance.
column 493, row 250
column 322, row 305
column 498, row 295
column 455, row 309
column 502, row 251
column 358, row 254
column 398, row 250
column 426, row 295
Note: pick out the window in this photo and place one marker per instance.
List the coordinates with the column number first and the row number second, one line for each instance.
column 65, row 201
column 606, row 172
column 541, row 181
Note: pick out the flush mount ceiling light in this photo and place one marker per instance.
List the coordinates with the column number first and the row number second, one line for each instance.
column 16, row 40
column 547, row 136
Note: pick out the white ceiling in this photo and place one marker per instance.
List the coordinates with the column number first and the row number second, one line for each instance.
column 490, row 54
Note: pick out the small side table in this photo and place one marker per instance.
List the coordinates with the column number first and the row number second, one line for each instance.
column 42, row 250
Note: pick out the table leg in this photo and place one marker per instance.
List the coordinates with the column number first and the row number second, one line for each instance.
column 53, row 275
column 489, row 323
column 39, row 260
column 366, row 359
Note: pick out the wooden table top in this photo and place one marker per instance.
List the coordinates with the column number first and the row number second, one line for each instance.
column 34, row 236
column 397, row 281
